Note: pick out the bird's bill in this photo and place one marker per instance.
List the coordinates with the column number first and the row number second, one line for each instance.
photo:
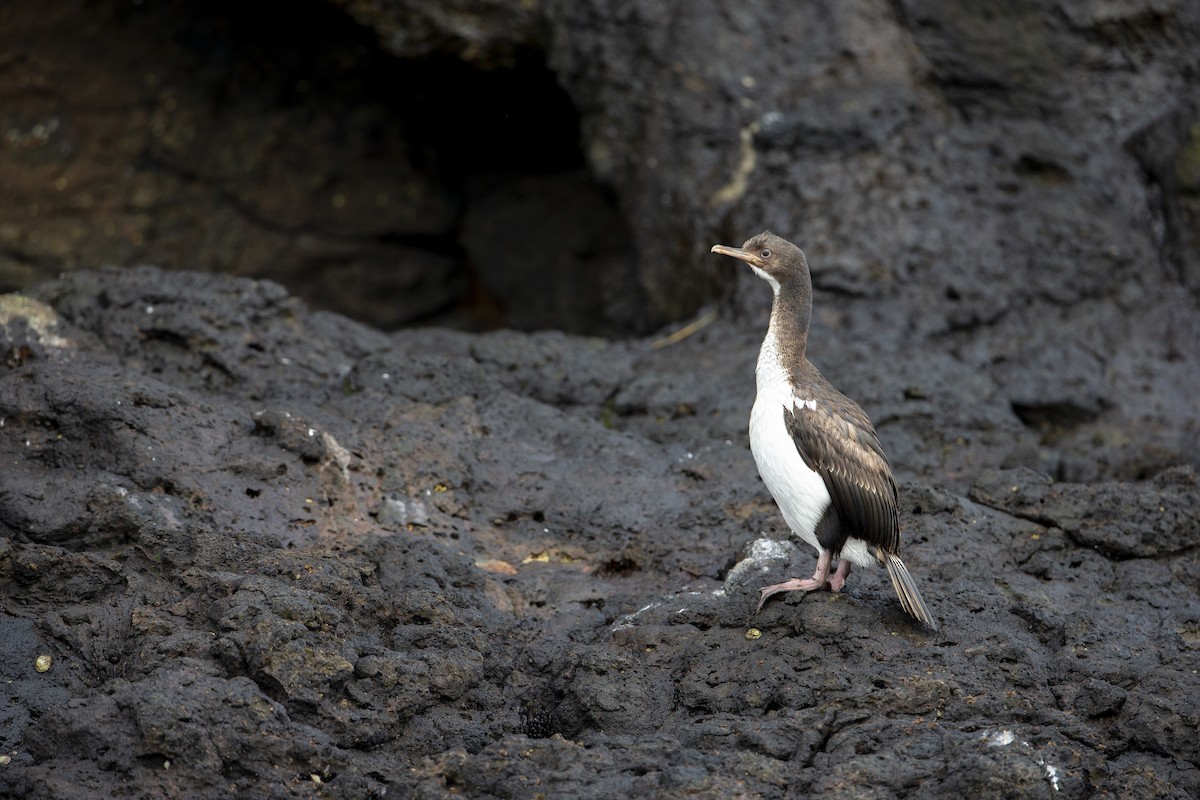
column 738, row 253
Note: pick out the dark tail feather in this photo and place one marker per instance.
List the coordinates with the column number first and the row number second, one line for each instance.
column 906, row 588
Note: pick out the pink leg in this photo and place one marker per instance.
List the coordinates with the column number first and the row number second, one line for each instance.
column 817, row 581
column 838, row 579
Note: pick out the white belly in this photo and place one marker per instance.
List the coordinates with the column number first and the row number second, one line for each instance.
column 798, row 491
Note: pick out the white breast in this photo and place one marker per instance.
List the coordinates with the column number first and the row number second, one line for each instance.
column 798, row 490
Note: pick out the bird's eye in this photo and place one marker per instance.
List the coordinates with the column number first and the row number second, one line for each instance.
column 765, row 253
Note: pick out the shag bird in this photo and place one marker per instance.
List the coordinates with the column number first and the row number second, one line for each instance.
column 815, row 448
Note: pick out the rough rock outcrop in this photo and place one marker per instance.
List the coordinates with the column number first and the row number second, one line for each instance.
column 249, row 549
column 270, row 552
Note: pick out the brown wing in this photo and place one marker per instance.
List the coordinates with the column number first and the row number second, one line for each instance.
column 836, row 439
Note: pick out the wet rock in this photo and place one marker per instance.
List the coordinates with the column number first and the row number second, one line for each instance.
column 1145, row 520
column 491, row 34
column 227, row 155
column 557, row 369
column 612, row 691
column 574, row 270
column 439, row 560
column 272, row 551
column 1169, row 148
column 29, row 330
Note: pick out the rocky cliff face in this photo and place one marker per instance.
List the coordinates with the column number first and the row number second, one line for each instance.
column 248, row 548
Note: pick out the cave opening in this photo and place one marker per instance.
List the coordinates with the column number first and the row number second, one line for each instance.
column 443, row 192
column 541, row 243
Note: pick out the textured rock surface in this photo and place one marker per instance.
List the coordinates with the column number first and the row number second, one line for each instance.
column 286, row 145
column 272, row 552
column 266, row 551
column 990, row 154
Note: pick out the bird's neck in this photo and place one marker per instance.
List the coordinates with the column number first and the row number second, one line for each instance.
column 790, row 314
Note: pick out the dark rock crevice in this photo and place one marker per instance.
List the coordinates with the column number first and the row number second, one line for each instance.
column 296, row 149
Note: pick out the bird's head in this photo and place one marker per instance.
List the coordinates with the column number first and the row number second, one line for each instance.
column 773, row 258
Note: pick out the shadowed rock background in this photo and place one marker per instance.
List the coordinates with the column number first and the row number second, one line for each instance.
column 448, row 515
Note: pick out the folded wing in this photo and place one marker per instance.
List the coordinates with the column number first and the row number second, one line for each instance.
column 836, row 439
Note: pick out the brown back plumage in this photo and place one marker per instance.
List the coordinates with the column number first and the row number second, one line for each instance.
column 837, row 441
column 832, row 434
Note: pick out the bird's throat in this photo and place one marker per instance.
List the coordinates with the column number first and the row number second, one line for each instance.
column 791, row 312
